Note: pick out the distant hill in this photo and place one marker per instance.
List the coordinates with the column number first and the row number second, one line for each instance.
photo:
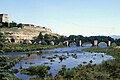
column 115, row 36
column 18, row 35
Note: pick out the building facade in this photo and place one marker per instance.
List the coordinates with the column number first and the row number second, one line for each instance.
column 4, row 18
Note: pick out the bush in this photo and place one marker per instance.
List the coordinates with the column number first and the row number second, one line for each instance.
column 1, row 44
column 15, row 70
column 36, row 70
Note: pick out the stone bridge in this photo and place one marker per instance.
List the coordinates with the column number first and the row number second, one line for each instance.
column 81, row 42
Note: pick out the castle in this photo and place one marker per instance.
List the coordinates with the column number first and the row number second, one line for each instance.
column 27, row 32
column 4, row 18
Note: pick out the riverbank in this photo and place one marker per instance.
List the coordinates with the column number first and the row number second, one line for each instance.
column 113, row 51
column 108, row 70
column 27, row 47
column 7, row 61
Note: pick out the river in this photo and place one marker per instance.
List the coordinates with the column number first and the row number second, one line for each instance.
column 73, row 56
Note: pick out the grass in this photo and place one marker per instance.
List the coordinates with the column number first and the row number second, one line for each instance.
column 6, row 62
column 36, row 70
column 113, row 51
column 27, row 47
column 108, row 70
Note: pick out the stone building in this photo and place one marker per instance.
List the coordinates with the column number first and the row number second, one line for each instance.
column 4, row 18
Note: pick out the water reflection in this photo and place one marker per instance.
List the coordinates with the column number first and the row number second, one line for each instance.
column 55, row 58
column 102, row 45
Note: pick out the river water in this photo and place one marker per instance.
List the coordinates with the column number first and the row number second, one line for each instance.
column 73, row 57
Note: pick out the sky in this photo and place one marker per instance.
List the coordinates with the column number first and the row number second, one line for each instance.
column 67, row 17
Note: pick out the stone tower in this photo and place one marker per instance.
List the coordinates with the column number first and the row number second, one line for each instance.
column 4, row 18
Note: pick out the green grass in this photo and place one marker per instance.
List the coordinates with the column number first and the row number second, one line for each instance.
column 113, row 51
column 27, row 47
column 36, row 70
column 6, row 62
column 107, row 70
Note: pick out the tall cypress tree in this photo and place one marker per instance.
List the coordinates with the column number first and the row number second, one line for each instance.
column 40, row 37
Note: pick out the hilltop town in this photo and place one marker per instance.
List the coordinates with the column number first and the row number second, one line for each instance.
column 21, row 32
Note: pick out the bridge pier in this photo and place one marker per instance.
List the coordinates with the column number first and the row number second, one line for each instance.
column 66, row 43
column 95, row 43
column 80, row 43
column 109, row 43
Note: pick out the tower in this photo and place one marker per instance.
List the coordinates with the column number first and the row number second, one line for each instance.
column 4, row 18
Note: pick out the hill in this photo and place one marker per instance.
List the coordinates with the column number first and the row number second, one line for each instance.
column 25, row 33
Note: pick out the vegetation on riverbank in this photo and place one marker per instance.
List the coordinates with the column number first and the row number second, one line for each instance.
column 27, row 47
column 108, row 70
column 6, row 62
column 40, row 71
column 113, row 51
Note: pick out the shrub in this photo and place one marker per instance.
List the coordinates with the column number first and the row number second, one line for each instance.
column 36, row 70
column 15, row 70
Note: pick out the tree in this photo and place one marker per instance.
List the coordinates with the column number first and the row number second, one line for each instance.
column 62, row 38
column 117, row 41
column 13, row 24
column 20, row 25
column 1, row 45
column 71, row 37
column 55, row 37
column 40, row 36
column 48, row 37
column 5, row 24
column 79, row 37
column 2, row 40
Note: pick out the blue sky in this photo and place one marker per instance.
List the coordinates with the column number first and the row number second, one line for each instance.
column 79, row 17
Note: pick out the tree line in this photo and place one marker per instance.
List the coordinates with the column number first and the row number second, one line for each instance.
column 75, row 38
column 61, row 38
column 11, row 25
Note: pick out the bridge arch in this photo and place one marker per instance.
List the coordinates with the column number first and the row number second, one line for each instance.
column 87, row 44
column 102, row 45
column 92, row 42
